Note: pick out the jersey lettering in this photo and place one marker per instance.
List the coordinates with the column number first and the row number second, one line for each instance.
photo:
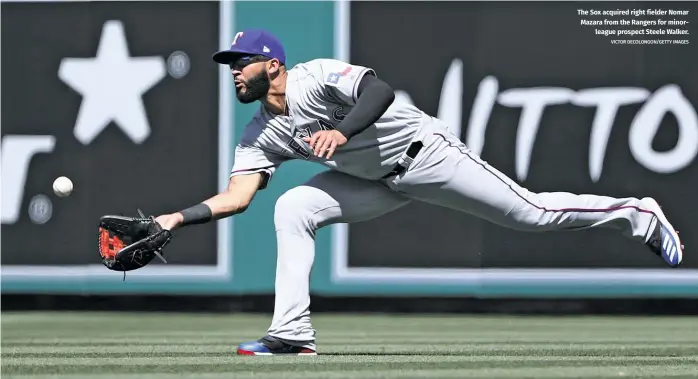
column 297, row 144
column 338, row 114
column 298, row 148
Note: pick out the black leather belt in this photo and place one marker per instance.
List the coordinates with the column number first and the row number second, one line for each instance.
column 406, row 160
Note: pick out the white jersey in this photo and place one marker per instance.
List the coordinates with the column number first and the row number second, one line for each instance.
column 319, row 94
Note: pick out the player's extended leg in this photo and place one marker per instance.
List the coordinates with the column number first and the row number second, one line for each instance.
column 459, row 179
column 328, row 198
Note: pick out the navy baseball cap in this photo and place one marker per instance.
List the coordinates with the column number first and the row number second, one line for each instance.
column 252, row 42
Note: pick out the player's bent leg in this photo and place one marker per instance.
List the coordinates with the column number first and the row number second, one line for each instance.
column 328, row 198
column 469, row 184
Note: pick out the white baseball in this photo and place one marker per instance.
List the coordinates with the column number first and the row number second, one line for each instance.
column 62, row 186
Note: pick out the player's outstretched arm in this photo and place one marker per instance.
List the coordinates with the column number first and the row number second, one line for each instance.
column 235, row 199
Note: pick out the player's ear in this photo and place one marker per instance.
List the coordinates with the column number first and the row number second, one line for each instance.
column 273, row 67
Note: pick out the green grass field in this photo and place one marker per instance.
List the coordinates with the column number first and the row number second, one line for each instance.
column 128, row 345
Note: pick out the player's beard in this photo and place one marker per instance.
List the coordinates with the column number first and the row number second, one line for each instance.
column 255, row 88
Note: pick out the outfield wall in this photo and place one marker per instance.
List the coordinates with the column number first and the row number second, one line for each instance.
column 544, row 99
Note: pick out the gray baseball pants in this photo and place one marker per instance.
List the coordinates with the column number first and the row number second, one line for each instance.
column 444, row 173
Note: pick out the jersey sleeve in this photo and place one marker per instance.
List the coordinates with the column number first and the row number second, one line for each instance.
column 251, row 159
column 341, row 80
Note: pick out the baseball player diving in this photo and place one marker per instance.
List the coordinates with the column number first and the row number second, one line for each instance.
column 382, row 155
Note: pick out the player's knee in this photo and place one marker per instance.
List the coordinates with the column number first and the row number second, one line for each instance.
column 527, row 215
column 529, row 220
column 292, row 211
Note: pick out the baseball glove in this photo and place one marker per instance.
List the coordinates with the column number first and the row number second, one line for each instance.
column 129, row 243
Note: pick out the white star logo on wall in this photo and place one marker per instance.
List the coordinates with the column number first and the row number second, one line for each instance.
column 111, row 85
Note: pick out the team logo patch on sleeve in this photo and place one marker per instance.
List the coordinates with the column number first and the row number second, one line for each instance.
column 333, row 77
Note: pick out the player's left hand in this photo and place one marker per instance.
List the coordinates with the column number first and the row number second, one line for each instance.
column 325, row 141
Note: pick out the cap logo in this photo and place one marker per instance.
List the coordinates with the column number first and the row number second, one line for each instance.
column 237, row 35
column 266, row 49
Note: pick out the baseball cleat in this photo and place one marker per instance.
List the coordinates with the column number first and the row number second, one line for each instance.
column 269, row 345
column 664, row 240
